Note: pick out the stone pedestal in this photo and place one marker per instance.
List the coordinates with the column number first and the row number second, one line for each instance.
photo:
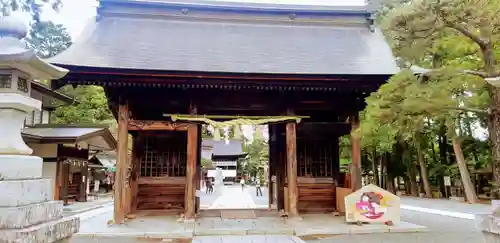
column 27, row 213
column 489, row 224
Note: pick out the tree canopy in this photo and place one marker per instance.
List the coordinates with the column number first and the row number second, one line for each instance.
column 34, row 7
column 417, row 120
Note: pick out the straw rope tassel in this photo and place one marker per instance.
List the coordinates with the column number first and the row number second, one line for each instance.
column 237, row 132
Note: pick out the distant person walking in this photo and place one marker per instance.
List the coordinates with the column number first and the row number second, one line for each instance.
column 107, row 183
column 209, row 185
column 257, row 187
column 242, row 182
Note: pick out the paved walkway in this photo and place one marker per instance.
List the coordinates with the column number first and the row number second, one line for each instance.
column 81, row 207
column 248, row 239
column 444, row 207
column 232, row 197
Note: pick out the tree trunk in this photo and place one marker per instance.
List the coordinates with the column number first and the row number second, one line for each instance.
column 423, row 169
column 410, row 169
column 384, row 170
column 407, row 182
column 464, row 171
column 443, row 156
column 494, row 133
column 413, row 180
column 390, row 183
column 375, row 167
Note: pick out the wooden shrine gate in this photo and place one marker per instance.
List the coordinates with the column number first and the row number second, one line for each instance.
column 163, row 171
column 233, row 60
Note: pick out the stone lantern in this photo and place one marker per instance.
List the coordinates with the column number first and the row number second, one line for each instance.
column 27, row 212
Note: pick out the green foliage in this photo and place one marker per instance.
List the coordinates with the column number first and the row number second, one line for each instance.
column 453, row 38
column 258, row 155
column 92, row 106
column 207, row 163
column 48, row 39
column 446, row 31
column 34, row 7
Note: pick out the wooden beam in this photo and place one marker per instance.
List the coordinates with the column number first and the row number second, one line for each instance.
column 291, row 151
column 355, row 167
column 121, row 164
column 145, row 125
column 190, row 193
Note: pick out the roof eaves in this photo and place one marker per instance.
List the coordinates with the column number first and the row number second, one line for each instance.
column 105, row 133
column 52, row 93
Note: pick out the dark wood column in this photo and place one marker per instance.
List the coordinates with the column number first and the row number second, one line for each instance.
column 273, row 158
column 134, row 181
column 355, row 167
column 291, row 157
column 336, row 160
column 192, row 157
column 84, row 174
column 121, row 165
column 58, row 192
column 280, row 165
column 199, row 173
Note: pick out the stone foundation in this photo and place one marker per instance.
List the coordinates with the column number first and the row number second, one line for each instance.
column 490, row 226
column 24, row 216
column 23, row 192
column 48, row 232
column 26, row 213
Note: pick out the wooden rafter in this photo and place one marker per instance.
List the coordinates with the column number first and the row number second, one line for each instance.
column 136, row 125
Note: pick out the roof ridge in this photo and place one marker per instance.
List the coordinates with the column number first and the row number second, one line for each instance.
column 256, row 6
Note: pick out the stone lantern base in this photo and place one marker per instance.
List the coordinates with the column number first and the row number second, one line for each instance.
column 27, row 212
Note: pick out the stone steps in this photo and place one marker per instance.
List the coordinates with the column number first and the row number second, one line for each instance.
column 47, row 232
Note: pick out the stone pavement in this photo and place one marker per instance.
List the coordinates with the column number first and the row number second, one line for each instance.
column 169, row 227
column 429, row 237
column 233, row 197
column 246, row 239
column 81, row 207
column 444, row 207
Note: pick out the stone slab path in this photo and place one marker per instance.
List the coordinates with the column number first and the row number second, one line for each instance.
column 234, row 198
column 248, row 239
column 444, row 207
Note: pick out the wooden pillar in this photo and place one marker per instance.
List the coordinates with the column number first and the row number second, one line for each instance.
column 291, row 158
column 134, row 187
column 65, row 180
column 199, row 173
column 59, row 180
column 272, row 162
column 84, row 173
column 355, row 167
column 280, row 144
column 121, row 165
column 192, row 154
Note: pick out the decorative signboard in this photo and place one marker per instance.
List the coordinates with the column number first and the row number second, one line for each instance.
column 372, row 204
column 447, row 180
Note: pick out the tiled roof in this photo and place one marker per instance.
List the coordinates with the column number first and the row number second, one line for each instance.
column 221, row 148
column 176, row 37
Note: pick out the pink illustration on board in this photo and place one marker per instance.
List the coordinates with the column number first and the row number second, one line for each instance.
column 371, row 205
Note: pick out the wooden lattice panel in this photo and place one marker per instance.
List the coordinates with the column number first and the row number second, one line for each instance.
column 164, row 156
column 316, row 158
